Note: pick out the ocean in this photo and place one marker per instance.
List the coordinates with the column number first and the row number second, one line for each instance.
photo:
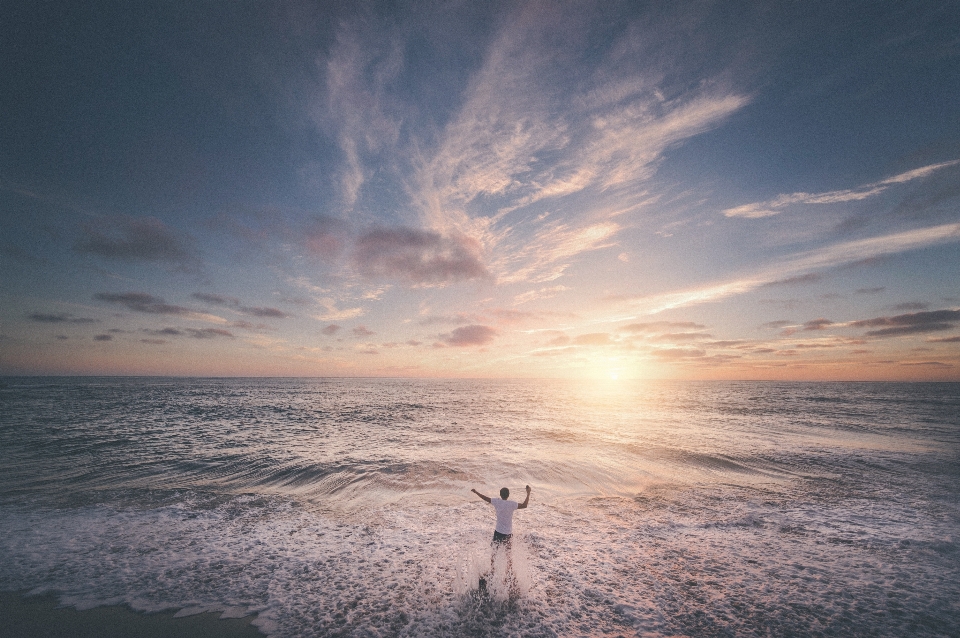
column 342, row 507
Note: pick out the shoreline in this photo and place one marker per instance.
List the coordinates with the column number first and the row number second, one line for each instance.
column 43, row 617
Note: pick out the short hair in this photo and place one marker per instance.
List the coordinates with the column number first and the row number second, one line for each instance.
column 504, row 493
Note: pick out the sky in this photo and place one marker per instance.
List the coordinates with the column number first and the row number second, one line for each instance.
column 609, row 190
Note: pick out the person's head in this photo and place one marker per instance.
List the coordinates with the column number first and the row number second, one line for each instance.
column 504, row 493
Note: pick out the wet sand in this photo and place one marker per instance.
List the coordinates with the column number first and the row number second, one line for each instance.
column 43, row 617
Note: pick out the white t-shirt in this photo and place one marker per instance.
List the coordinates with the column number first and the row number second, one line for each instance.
column 505, row 510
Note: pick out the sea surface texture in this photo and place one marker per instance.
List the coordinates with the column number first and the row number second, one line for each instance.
column 342, row 507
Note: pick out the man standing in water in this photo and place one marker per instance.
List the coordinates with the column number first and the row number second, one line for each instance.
column 504, row 529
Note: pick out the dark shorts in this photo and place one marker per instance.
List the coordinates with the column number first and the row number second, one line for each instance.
column 501, row 539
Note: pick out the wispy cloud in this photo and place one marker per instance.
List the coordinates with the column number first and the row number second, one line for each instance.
column 61, row 317
column 234, row 303
column 802, row 263
column 145, row 303
column 523, row 137
column 773, row 206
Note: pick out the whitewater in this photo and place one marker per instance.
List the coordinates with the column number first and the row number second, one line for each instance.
column 342, row 507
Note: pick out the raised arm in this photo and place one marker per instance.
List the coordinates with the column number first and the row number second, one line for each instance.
column 486, row 498
column 525, row 501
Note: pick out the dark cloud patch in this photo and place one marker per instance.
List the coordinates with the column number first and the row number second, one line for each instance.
column 165, row 332
column 799, row 280
column 475, row 335
column 417, row 256
column 142, row 302
column 155, row 342
column 135, row 238
column 913, row 323
column 593, row 339
column 955, row 339
column 662, row 326
column 331, row 330
column 41, row 317
column 817, row 324
column 870, row 291
column 209, row 333
column 362, row 331
column 103, row 338
column 62, row 337
column 252, row 327
column 911, row 305
column 414, row 343
column 233, row 302
column 267, row 313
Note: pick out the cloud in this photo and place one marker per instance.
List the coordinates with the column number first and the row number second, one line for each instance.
column 41, row 317
column 417, row 256
column 842, row 253
column 774, row 206
column 684, row 336
column 103, row 338
column 775, row 324
column 808, row 278
column 955, row 339
column 166, row 332
column 679, row 353
column 911, row 305
column 333, row 313
column 135, row 238
column 908, row 324
column 233, row 302
column 219, row 300
column 330, row 330
column 475, row 335
column 934, row 364
column 142, row 302
column 542, row 293
column 870, row 291
column 593, row 339
column 362, row 331
column 817, row 324
column 209, row 333
column 659, row 326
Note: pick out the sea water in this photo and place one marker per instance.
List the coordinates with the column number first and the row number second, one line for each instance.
column 343, row 506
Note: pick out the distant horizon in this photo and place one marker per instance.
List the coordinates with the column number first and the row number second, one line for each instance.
column 752, row 190
column 612, row 382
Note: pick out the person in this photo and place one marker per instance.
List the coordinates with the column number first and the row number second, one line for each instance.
column 505, row 509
